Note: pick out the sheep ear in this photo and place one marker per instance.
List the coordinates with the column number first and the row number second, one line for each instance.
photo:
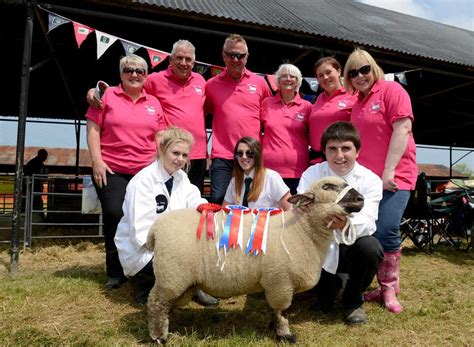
column 302, row 199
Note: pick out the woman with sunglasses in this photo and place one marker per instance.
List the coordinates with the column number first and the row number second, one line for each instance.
column 285, row 121
column 121, row 141
column 252, row 185
column 333, row 104
column 383, row 115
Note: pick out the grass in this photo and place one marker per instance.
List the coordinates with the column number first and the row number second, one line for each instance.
column 57, row 299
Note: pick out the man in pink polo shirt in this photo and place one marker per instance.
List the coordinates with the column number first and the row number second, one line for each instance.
column 234, row 97
column 181, row 94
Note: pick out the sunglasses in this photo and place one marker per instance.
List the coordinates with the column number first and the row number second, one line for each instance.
column 139, row 71
column 238, row 56
column 364, row 70
column 240, row 154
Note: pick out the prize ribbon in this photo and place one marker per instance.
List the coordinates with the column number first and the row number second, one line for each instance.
column 207, row 214
column 259, row 232
column 233, row 229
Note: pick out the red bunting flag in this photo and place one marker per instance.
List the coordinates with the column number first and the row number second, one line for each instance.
column 156, row 57
column 81, row 32
column 272, row 82
column 215, row 70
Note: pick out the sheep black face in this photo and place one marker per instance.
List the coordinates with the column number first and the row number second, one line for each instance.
column 331, row 190
column 349, row 199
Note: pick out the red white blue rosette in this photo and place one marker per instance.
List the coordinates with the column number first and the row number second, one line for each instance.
column 257, row 242
column 232, row 234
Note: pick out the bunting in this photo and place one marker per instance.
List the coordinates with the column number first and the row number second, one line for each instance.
column 105, row 41
column 81, row 32
column 54, row 21
column 156, row 57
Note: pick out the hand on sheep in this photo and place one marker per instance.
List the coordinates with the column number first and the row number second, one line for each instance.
column 336, row 221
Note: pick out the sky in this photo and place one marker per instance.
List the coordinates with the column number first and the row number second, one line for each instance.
column 459, row 13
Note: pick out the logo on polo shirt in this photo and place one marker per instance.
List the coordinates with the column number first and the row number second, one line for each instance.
column 252, row 88
column 198, row 89
column 375, row 106
column 151, row 110
column 299, row 116
column 342, row 104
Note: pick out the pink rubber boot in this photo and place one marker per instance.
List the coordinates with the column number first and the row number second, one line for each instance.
column 376, row 294
column 389, row 281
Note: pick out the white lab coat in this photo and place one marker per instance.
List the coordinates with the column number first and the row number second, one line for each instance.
column 140, row 211
column 365, row 182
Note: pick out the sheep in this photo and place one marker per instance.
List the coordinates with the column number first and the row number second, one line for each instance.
column 182, row 262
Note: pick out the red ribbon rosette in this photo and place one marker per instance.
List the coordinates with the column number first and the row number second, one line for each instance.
column 207, row 213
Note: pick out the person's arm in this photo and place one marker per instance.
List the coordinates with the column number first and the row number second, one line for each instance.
column 99, row 167
column 283, row 203
column 398, row 144
column 91, row 98
column 364, row 221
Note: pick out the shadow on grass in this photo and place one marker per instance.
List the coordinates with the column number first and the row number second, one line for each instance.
column 443, row 251
column 252, row 322
column 95, row 274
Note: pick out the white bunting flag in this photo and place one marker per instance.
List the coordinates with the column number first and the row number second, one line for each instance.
column 104, row 41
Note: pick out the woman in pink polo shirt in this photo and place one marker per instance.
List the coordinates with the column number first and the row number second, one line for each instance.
column 333, row 104
column 383, row 115
column 285, row 121
column 121, row 141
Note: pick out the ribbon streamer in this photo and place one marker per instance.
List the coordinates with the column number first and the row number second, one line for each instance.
column 232, row 234
column 259, row 232
column 207, row 214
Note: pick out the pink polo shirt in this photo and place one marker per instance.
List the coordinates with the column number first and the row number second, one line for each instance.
column 373, row 116
column 285, row 140
column 127, row 129
column 326, row 110
column 183, row 105
column 236, row 108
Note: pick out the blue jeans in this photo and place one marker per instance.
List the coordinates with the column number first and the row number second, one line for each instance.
column 391, row 211
column 221, row 173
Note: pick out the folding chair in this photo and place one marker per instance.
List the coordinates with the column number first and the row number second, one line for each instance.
column 417, row 221
column 453, row 212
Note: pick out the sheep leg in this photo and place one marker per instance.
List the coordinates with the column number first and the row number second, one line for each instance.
column 281, row 327
column 280, row 301
column 158, row 317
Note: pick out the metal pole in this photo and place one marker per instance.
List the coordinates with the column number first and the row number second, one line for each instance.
column 20, row 143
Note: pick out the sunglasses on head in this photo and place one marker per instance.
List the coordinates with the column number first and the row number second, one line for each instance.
column 130, row 70
column 364, row 70
column 249, row 154
column 239, row 56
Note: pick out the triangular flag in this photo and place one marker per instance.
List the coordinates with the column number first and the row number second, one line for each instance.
column 129, row 47
column 81, row 32
column 104, row 41
column 54, row 21
column 156, row 57
column 402, row 78
column 272, row 82
column 313, row 83
column 201, row 68
column 389, row 77
column 215, row 70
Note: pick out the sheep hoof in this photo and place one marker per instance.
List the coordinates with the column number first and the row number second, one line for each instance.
column 287, row 338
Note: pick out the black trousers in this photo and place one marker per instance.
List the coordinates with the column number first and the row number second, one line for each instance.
column 292, row 183
column 111, row 198
column 221, row 174
column 197, row 173
column 361, row 262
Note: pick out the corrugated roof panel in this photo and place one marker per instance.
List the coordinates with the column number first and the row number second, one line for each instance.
column 344, row 20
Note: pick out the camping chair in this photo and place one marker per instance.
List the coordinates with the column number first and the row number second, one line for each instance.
column 452, row 214
column 417, row 221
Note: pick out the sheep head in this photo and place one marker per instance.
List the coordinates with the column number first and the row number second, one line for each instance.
column 326, row 192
